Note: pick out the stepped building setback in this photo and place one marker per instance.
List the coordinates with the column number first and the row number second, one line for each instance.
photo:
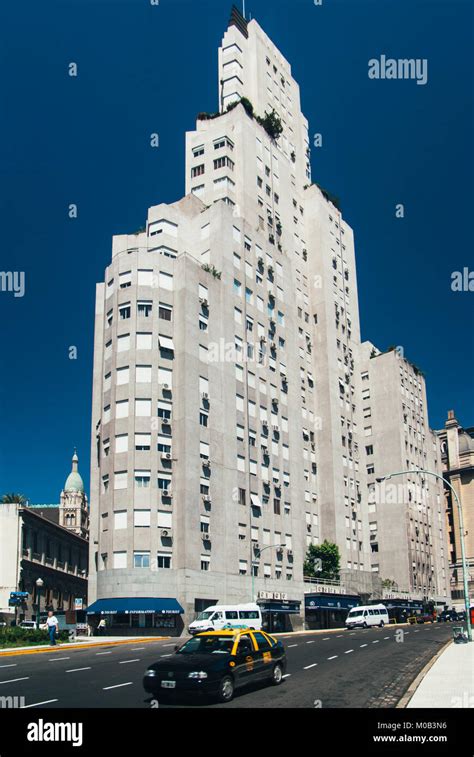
column 228, row 427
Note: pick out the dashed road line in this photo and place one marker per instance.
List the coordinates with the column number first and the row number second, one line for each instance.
column 349, row 651
column 326, row 638
column 166, row 655
column 287, row 675
column 77, row 670
column 292, row 645
column 376, row 641
column 14, row 680
column 37, row 704
column 58, row 659
column 117, row 686
column 310, row 642
column 98, row 653
column 364, row 645
column 136, row 649
column 12, row 665
column 124, row 662
column 333, row 657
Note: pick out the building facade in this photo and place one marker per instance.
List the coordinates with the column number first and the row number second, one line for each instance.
column 457, row 456
column 227, row 423
column 406, row 514
column 34, row 544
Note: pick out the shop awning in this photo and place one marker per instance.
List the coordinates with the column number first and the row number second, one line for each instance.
column 283, row 607
column 129, row 605
column 330, row 602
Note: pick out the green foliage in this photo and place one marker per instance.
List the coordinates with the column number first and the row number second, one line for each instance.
column 330, row 558
column 10, row 498
column 14, row 636
column 272, row 124
column 212, row 269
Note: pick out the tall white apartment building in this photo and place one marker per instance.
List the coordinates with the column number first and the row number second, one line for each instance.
column 406, row 513
column 227, row 429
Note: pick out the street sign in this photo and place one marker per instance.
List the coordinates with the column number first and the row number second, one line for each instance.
column 18, row 594
column 78, row 603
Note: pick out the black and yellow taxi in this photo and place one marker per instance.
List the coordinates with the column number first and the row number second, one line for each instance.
column 217, row 663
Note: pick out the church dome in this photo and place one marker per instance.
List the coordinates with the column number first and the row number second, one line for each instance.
column 74, row 482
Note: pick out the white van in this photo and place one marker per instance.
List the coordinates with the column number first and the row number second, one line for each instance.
column 221, row 617
column 367, row 615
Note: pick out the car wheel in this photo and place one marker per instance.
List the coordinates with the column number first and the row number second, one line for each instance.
column 364, row 625
column 226, row 689
column 277, row 674
column 382, row 624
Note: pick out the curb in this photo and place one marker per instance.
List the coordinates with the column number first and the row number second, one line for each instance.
column 84, row 645
column 404, row 701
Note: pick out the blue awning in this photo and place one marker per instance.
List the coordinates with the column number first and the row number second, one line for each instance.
column 315, row 602
column 130, row 605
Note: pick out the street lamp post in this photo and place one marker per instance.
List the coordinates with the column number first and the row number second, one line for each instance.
column 39, row 585
column 461, row 534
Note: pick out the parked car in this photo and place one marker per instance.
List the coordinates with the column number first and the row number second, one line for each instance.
column 31, row 624
column 217, row 663
column 422, row 617
column 447, row 616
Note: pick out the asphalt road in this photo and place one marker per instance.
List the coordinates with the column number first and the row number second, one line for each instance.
column 363, row 668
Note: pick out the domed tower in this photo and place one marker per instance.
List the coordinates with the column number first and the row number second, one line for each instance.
column 73, row 508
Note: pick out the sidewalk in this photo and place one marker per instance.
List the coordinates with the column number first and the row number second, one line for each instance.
column 81, row 642
column 449, row 682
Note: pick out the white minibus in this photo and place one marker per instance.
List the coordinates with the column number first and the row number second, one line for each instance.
column 221, row 617
column 367, row 615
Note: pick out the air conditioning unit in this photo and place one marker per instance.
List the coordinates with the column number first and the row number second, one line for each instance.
column 260, row 261
column 206, row 536
column 204, row 302
column 206, row 463
column 165, row 387
column 271, row 294
column 265, row 424
column 274, row 401
column 166, row 456
column 276, row 429
column 273, row 345
column 166, row 533
column 263, row 339
column 289, row 552
column 205, row 396
column 166, row 493
column 206, row 499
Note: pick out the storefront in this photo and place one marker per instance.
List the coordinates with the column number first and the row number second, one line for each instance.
column 137, row 616
column 278, row 614
column 399, row 610
column 328, row 610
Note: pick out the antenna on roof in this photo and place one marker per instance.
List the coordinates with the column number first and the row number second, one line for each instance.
column 243, row 8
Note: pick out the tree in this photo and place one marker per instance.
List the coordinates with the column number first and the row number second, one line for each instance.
column 272, row 124
column 11, row 498
column 329, row 561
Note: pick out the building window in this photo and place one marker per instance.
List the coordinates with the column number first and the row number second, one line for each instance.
column 203, row 419
column 197, row 170
column 165, row 312
column 141, row 559
column 163, row 560
column 144, row 308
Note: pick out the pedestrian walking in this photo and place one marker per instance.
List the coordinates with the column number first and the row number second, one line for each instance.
column 53, row 627
column 102, row 626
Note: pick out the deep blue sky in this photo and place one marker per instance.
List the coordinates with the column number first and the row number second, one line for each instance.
column 146, row 69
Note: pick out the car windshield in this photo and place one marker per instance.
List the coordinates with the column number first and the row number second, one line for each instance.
column 208, row 645
column 355, row 613
column 205, row 615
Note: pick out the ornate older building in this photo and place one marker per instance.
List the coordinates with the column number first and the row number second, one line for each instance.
column 457, row 456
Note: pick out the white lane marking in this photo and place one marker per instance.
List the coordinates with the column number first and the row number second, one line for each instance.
column 340, row 636
column 124, row 662
column 98, row 653
column 333, row 657
column 12, row 665
column 166, row 655
column 117, row 686
column 310, row 642
column 37, row 704
column 376, row 641
column 417, row 631
column 363, row 645
column 135, row 649
column 57, row 659
column 14, row 680
column 386, row 637
column 307, row 667
column 352, row 634
column 76, row 670
column 326, row 638
column 287, row 675
column 292, row 645
column 349, row 651
column 166, row 645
